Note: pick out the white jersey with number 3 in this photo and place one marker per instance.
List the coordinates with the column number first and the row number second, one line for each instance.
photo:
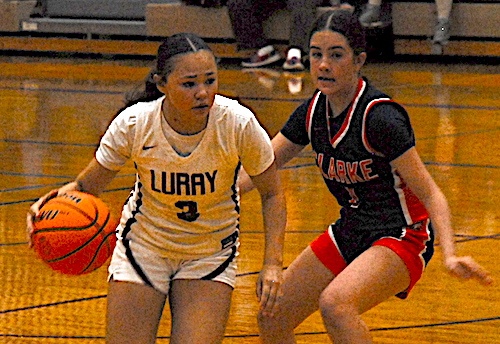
column 185, row 207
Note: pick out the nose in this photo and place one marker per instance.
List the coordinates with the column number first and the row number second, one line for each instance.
column 323, row 64
column 201, row 92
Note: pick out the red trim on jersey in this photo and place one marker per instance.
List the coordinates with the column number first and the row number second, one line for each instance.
column 364, row 137
column 416, row 209
column 413, row 209
column 411, row 206
column 310, row 112
column 334, row 141
column 325, row 248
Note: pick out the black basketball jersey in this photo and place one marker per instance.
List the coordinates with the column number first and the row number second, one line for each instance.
column 371, row 193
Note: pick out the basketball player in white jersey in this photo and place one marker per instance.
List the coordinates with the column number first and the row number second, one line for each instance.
column 178, row 234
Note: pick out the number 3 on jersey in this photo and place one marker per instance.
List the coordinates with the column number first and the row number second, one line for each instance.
column 189, row 210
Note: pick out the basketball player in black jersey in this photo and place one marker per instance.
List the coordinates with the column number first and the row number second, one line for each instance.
column 390, row 205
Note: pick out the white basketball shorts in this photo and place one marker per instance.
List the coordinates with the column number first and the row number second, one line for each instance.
column 137, row 264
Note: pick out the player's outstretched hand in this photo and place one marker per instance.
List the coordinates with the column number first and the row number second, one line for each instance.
column 269, row 288
column 466, row 267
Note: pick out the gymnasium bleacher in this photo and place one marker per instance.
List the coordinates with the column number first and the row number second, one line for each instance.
column 134, row 27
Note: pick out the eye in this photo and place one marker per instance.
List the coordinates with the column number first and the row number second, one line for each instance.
column 210, row 81
column 337, row 54
column 315, row 54
column 188, row 84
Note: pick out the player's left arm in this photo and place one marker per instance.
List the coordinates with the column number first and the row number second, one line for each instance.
column 274, row 214
column 413, row 171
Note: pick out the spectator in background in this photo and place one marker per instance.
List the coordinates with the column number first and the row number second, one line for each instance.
column 442, row 29
column 371, row 15
column 248, row 17
column 371, row 18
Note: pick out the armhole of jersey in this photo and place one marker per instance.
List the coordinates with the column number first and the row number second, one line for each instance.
column 135, row 147
column 364, row 136
column 310, row 113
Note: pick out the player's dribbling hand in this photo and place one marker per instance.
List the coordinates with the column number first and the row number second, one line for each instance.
column 35, row 207
column 269, row 288
column 466, row 267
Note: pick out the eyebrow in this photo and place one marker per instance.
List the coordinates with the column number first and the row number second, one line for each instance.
column 196, row 75
column 329, row 48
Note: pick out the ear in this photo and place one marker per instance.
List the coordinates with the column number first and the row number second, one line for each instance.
column 158, row 79
column 360, row 59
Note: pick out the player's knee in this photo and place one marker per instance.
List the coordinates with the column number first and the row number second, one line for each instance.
column 273, row 327
column 334, row 309
column 266, row 323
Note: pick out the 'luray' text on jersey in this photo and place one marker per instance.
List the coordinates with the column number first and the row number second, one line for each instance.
column 180, row 183
column 346, row 172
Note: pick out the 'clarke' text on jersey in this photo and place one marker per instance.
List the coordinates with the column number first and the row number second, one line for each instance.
column 346, row 172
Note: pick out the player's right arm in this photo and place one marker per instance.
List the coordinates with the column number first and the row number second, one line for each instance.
column 284, row 149
column 93, row 179
column 114, row 149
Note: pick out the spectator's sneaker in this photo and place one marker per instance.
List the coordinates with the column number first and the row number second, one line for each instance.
column 264, row 56
column 293, row 63
column 371, row 17
column 441, row 32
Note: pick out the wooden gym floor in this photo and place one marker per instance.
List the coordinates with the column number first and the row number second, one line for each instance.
column 53, row 112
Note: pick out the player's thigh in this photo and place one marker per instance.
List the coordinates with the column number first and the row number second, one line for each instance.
column 374, row 276
column 133, row 313
column 304, row 280
column 200, row 310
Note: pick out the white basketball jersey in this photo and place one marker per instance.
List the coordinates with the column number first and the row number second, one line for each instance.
column 185, row 207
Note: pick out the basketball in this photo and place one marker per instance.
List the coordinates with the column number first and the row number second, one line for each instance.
column 74, row 233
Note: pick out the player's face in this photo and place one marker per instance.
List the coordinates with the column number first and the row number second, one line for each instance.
column 334, row 67
column 191, row 87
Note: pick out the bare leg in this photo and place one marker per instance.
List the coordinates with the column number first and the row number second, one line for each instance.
column 200, row 310
column 442, row 28
column 304, row 280
column 133, row 314
column 443, row 8
column 370, row 279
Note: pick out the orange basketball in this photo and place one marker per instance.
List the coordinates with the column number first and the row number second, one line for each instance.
column 74, row 233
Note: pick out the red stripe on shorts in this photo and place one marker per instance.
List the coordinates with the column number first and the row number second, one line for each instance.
column 409, row 248
column 328, row 253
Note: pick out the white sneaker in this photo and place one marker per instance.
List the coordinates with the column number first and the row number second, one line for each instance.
column 371, row 18
column 293, row 60
column 264, row 56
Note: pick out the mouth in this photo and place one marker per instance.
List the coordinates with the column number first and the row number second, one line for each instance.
column 325, row 79
column 201, row 107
